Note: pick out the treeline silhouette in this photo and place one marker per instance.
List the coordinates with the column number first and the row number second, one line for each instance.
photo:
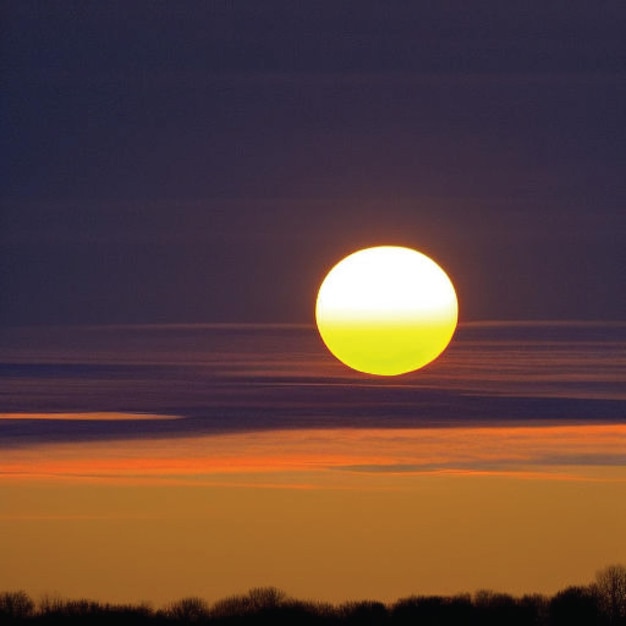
column 601, row 603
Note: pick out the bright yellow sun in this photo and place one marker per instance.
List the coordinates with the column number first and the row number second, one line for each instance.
column 386, row 310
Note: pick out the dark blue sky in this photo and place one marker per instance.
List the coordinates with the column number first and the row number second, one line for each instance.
column 209, row 161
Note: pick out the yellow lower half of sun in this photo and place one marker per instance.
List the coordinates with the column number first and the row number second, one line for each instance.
column 387, row 349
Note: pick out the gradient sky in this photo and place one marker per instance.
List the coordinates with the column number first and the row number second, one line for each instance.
column 172, row 165
column 210, row 161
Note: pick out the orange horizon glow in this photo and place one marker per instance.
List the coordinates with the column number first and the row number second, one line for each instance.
column 554, row 452
column 330, row 514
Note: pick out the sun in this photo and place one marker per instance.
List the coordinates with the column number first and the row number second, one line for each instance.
column 386, row 310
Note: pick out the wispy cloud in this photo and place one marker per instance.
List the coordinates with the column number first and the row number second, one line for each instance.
column 90, row 416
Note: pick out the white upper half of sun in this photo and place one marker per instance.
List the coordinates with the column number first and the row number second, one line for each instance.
column 386, row 284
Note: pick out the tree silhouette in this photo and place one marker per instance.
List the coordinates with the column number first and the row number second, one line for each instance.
column 536, row 608
column 602, row 603
column 266, row 598
column 575, row 606
column 256, row 600
column 189, row 610
column 433, row 611
column 610, row 589
column 364, row 613
column 495, row 608
column 15, row 605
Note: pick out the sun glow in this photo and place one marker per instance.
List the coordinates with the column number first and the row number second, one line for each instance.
column 386, row 310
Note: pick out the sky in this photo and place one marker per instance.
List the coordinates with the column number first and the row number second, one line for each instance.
column 210, row 161
column 177, row 180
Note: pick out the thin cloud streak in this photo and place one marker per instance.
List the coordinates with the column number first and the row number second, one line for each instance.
column 92, row 416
